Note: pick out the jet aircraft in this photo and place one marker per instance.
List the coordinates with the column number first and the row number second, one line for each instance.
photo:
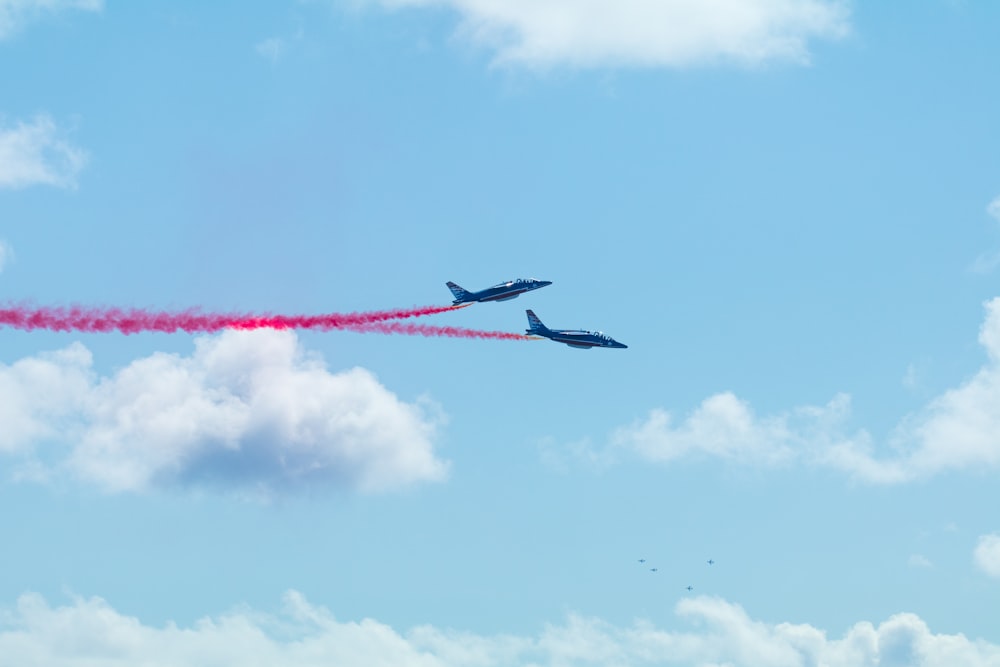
column 502, row 292
column 572, row 337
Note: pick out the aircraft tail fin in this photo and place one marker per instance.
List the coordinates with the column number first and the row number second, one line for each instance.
column 534, row 323
column 459, row 293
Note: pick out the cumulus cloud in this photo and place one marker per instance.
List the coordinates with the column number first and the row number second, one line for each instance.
column 250, row 409
column 726, row 427
column 987, row 555
column 91, row 632
column 34, row 153
column 958, row 430
column 16, row 13
column 39, row 395
column 723, row 426
column 644, row 33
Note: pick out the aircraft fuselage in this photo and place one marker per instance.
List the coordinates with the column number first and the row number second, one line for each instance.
column 502, row 292
column 578, row 338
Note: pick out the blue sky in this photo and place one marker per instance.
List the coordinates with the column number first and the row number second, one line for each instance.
column 790, row 212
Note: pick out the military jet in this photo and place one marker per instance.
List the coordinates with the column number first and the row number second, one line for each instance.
column 502, row 292
column 710, row 561
column 690, row 588
column 572, row 337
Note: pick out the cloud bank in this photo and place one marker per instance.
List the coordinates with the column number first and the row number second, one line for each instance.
column 958, row 430
column 34, row 153
column 14, row 14
column 248, row 409
column 643, row 33
column 92, row 633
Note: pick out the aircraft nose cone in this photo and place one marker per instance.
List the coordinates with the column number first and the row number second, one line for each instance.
column 621, row 345
column 544, row 283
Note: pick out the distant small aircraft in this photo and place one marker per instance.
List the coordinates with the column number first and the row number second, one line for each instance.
column 642, row 560
column 653, row 569
column 711, row 562
column 502, row 292
column 572, row 337
column 690, row 588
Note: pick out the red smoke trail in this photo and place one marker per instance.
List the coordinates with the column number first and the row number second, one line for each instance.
column 135, row 320
column 409, row 329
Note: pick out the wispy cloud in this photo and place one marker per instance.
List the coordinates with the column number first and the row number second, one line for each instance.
column 14, row 14
column 247, row 410
column 986, row 262
column 277, row 47
column 958, row 430
column 90, row 632
column 643, row 33
column 919, row 560
column 34, row 153
column 987, row 555
column 6, row 254
column 271, row 48
column 994, row 209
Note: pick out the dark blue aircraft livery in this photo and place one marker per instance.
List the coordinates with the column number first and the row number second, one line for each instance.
column 571, row 337
column 502, row 292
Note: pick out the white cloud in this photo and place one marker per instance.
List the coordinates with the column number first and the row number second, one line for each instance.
column 40, row 395
column 987, row 555
column 959, row 430
column 34, row 154
column 248, row 409
column 725, row 427
column 645, row 33
column 919, row 560
column 6, row 254
column 15, row 13
column 91, row 632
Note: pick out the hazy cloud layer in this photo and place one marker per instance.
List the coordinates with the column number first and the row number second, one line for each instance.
column 251, row 410
column 34, row 153
column 987, row 555
column 92, row 633
column 14, row 14
column 959, row 430
column 644, row 33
